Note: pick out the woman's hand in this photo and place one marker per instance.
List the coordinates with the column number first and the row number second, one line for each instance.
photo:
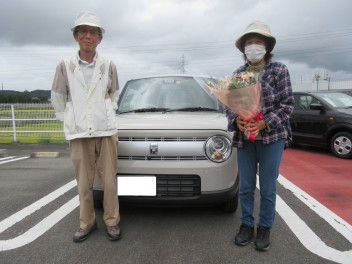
column 241, row 123
column 254, row 126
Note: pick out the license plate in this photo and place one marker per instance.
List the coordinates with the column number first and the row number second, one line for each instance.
column 136, row 186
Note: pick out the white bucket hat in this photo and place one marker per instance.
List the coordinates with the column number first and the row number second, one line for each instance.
column 260, row 28
column 89, row 19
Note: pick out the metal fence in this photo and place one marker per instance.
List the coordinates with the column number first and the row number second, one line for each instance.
column 35, row 123
column 30, row 123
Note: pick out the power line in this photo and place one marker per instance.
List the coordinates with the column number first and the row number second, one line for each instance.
column 301, row 51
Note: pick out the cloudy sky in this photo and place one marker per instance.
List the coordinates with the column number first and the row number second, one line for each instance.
column 146, row 37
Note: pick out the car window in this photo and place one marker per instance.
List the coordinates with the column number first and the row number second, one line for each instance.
column 339, row 100
column 165, row 92
column 303, row 102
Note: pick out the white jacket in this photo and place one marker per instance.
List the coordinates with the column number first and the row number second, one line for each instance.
column 86, row 111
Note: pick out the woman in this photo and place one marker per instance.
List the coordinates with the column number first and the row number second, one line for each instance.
column 273, row 133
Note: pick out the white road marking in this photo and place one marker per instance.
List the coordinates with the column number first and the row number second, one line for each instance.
column 11, row 159
column 6, row 158
column 40, row 228
column 305, row 235
column 334, row 220
column 44, row 225
column 16, row 217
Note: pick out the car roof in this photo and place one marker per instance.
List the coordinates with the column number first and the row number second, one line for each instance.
column 173, row 75
column 319, row 91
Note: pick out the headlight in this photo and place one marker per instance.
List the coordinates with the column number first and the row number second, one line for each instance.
column 218, row 148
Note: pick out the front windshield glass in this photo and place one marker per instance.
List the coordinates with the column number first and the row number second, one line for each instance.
column 339, row 100
column 166, row 93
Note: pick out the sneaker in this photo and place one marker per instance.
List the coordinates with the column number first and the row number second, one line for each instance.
column 244, row 235
column 262, row 241
column 82, row 234
column 114, row 232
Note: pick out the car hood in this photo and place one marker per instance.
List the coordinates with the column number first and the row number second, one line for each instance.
column 172, row 120
column 347, row 111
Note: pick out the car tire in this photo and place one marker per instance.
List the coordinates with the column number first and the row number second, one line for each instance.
column 231, row 205
column 341, row 145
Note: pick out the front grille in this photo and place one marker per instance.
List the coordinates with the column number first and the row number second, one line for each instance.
column 178, row 185
column 166, row 148
column 162, row 158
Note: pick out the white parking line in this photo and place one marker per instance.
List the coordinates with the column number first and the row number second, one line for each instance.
column 43, row 226
column 6, row 158
column 13, row 219
column 40, row 228
column 11, row 159
column 334, row 220
column 305, row 235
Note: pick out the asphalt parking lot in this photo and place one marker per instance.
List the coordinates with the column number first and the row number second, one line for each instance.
column 323, row 176
column 39, row 214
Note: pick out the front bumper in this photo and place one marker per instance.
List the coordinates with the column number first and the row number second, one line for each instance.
column 207, row 198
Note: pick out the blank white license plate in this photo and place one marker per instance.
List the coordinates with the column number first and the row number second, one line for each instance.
column 136, row 186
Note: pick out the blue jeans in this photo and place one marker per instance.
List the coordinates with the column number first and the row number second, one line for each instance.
column 269, row 159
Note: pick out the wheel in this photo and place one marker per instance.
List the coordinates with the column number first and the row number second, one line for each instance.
column 231, row 205
column 341, row 145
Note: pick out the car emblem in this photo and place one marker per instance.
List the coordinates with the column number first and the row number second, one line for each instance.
column 153, row 148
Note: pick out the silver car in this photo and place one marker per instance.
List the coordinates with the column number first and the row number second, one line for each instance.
column 173, row 145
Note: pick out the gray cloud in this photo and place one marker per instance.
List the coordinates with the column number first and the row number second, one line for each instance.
column 151, row 36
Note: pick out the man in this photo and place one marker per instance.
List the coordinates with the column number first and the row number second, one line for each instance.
column 84, row 95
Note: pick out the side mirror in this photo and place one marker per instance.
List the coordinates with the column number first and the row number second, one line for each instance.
column 316, row 106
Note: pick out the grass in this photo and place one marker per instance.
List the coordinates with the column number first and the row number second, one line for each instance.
column 37, row 127
column 32, row 137
column 37, row 134
column 31, row 140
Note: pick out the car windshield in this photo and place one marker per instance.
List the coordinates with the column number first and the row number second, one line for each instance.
column 338, row 100
column 167, row 94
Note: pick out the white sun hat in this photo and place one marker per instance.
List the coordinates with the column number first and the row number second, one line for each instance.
column 88, row 18
column 260, row 28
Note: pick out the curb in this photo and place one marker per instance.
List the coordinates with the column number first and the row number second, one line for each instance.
column 44, row 154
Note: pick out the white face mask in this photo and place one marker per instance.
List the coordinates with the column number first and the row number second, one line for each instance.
column 254, row 52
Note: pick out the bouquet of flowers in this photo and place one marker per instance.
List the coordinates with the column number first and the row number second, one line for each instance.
column 241, row 94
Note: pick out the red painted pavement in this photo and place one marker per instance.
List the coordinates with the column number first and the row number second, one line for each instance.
column 326, row 178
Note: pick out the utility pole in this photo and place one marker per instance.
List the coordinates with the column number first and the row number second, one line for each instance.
column 317, row 78
column 327, row 78
column 183, row 64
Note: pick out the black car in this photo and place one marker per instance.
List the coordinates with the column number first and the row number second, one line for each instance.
column 323, row 119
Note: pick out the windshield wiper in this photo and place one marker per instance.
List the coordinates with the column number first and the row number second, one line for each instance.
column 142, row 110
column 192, row 109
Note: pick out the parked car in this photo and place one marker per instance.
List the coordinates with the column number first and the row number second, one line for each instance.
column 173, row 145
column 323, row 119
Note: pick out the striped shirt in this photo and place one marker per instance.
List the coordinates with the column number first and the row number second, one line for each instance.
column 277, row 105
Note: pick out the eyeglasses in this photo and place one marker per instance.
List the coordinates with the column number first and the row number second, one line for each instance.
column 92, row 32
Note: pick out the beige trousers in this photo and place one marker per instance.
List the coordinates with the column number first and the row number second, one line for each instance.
column 90, row 156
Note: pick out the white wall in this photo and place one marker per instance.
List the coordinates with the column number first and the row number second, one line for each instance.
column 322, row 85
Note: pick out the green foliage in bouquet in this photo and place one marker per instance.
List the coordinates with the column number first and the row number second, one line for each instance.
column 242, row 80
